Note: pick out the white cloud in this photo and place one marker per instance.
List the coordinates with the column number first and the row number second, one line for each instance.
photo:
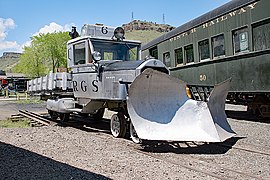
column 54, row 27
column 9, row 23
column 5, row 25
column 10, row 45
column 27, row 43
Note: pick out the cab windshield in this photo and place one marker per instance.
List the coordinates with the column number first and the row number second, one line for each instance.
column 116, row 50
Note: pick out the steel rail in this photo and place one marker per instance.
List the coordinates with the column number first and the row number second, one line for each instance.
column 244, row 149
column 35, row 117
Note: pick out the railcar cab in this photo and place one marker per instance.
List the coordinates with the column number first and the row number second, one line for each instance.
column 100, row 43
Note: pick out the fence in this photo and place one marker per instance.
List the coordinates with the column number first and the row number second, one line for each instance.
column 18, row 96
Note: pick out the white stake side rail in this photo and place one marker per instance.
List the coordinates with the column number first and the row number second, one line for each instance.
column 60, row 81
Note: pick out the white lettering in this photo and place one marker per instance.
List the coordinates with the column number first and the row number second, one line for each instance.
column 223, row 18
column 242, row 10
column 232, row 13
column 252, row 6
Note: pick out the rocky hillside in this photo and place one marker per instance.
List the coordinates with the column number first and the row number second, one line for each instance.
column 143, row 36
column 145, row 31
column 9, row 60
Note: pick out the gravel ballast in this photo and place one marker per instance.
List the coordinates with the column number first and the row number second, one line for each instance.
column 90, row 153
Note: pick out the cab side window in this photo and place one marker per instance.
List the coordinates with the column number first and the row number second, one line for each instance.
column 79, row 53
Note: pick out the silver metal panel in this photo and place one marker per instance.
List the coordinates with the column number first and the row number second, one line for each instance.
column 97, row 31
column 60, row 105
column 160, row 110
column 60, row 80
column 106, row 86
column 92, row 106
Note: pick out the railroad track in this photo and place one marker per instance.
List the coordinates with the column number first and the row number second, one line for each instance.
column 247, row 148
column 37, row 118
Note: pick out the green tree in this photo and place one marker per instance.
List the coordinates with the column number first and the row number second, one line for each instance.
column 46, row 53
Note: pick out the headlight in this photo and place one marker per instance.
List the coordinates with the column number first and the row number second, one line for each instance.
column 96, row 55
column 119, row 33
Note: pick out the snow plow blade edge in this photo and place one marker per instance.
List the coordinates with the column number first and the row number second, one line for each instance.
column 160, row 109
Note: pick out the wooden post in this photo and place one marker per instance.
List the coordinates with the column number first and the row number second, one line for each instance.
column 26, row 95
column 17, row 96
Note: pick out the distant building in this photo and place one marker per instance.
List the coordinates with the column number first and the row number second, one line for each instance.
column 15, row 82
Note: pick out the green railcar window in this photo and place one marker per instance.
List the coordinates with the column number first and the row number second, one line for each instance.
column 218, row 45
column 204, row 50
column 189, row 54
column 179, row 60
column 167, row 59
column 154, row 52
column 240, row 40
column 261, row 36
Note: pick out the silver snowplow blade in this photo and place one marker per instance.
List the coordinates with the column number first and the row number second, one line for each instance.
column 160, row 109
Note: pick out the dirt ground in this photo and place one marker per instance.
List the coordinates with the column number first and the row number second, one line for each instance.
column 10, row 107
column 88, row 151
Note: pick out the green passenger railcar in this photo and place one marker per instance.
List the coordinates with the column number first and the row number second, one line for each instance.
column 232, row 41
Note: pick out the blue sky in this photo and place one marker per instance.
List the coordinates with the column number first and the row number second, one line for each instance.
column 21, row 19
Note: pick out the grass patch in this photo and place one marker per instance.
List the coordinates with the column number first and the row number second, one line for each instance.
column 22, row 123
column 143, row 36
column 30, row 101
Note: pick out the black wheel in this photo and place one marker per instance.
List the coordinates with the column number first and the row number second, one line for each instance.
column 64, row 117
column 53, row 114
column 99, row 114
column 118, row 125
column 256, row 107
column 133, row 135
column 84, row 114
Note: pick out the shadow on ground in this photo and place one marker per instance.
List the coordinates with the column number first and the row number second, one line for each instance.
column 88, row 125
column 18, row 163
column 189, row 147
column 245, row 115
